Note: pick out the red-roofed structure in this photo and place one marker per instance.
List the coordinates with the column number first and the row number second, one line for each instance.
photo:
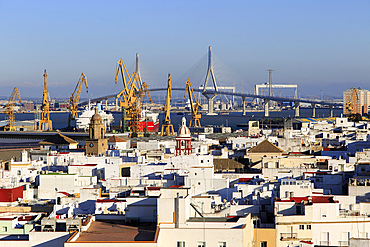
column 64, row 193
column 313, row 199
column 244, row 180
column 11, row 195
column 294, row 199
column 153, row 188
column 306, row 242
column 176, row 186
column 85, row 165
column 323, row 199
column 106, row 200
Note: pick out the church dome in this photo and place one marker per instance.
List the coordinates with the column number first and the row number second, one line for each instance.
column 96, row 116
column 184, row 130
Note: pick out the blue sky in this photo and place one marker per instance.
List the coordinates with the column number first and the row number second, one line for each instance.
column 319, row 45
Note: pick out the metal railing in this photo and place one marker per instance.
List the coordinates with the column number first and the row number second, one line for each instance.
column 343, row 243
column 289, row 235
column 325, row 243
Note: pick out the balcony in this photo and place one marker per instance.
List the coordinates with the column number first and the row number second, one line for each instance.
column 288, row 236
column 344, row 213
column 343, row 243
column 324, row 243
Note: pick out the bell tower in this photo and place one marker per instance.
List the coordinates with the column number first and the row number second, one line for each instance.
column 183, row 140
column 96, row 144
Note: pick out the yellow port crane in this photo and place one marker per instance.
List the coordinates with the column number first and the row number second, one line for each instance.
column 75, row 98
column 167, row 127
column 146, row 90
column 10, row 110
column 351, row 104
column 45, row 122
column 127, row 97
column 195, row 120
column 129, row 86
column 136, row 107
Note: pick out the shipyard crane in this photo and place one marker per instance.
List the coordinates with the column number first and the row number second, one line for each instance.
column 10, row 110
column 130, row 86
column 136, row 108
column 195, row 120
column 146, row 90
column 75, row 98
column 351, row 104
column 45, row 122
column 167, row 127
column 127, row 97
column 127, row 104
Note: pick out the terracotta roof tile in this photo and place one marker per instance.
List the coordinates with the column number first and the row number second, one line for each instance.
column 58, row 139
column 265, row 147
column 226, row 164
column 116, row 139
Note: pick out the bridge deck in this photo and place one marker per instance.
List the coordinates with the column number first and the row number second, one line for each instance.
column 246, row 95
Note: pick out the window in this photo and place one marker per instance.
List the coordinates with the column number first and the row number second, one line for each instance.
column 263, row 244
column 201, row 244
column 323, row 213
column 5, row 229
column 301, row 227
column 221, row 244
column 308, row 227
column 180, row 243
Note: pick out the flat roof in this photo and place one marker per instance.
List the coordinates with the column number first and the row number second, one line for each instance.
column 117, row 231
column 214, row 219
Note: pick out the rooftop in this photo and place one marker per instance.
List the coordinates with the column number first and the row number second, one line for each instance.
column 115, row 138
column 214, row 219
column 117, row 231
column 58, row 139
column 265, row 147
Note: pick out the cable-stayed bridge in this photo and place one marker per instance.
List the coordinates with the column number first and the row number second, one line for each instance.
column 210, row 91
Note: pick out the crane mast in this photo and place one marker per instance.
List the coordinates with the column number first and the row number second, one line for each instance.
column 136, row 108
column 131, row 97
column 352, row 103
column 167, row 127
column 129, row 87
column 75, row 98
column 128, row 96
column 195, row 120
column 10, row 110
column 45, row 122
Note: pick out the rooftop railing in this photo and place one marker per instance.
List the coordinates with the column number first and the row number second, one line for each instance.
column 288, row 236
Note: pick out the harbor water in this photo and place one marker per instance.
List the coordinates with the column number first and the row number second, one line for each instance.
column 60, row 120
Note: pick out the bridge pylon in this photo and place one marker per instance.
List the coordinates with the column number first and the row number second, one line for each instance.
column 137, row 71
column 313, row 105
column 210, row 96
column 331, row 111
column 296, row 109
column 243, row 102
column 266, row 107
